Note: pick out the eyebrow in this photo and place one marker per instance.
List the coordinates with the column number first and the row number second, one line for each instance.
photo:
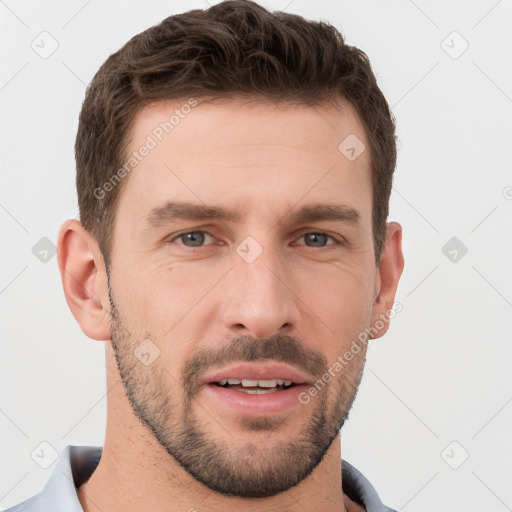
column 171, row 211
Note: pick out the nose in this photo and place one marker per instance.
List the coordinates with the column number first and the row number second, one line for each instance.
column 259, row 300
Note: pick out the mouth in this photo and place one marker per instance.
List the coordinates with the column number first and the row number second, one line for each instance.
column 256, row 389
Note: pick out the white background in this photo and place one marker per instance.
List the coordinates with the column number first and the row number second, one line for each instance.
column 441, row 374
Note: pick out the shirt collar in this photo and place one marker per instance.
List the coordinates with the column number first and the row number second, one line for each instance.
column 76, row 464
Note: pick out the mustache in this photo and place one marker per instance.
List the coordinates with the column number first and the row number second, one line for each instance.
column 286, row 349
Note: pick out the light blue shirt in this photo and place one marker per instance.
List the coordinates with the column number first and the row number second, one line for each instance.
column 76, row 464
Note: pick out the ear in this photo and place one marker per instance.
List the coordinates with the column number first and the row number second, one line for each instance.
column 388, row 274
column 84, row 279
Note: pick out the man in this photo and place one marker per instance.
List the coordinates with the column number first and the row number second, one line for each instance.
column 234, row 168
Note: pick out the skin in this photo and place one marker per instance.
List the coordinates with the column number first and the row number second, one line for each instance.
column 266, row 161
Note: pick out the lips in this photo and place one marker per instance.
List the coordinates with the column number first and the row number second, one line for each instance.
column 264, row 375
column 255, row 389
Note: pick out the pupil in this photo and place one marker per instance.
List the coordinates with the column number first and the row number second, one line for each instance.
column 317, row 237
column 197, row 239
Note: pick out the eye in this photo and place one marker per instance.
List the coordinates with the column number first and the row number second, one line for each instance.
column 192, row 238
column 202, row 238
column 316, row 239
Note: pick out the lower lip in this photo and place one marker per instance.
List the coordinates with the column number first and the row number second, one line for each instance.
column 256, row 405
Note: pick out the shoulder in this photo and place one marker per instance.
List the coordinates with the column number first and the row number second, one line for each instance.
column 359, row 489
column 74, row 465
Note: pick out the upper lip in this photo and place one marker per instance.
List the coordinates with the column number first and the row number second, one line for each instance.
column 258, row 371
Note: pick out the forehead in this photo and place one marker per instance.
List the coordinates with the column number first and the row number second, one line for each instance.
column 211, row 124
column 251, row 152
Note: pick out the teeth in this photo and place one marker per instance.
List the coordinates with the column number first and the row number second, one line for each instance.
column 256, row 383
column 258, row 391
column 267, row 383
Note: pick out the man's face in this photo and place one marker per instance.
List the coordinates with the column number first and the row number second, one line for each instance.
column 265, row 291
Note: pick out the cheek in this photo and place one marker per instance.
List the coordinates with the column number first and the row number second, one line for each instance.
column 156, row 297
column 343, row 302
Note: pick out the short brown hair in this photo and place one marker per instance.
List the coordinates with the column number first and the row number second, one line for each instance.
column 235, row 48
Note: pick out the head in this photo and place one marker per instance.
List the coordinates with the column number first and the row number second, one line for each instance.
column 225, row 233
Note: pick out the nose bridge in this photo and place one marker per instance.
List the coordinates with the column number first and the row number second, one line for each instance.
column 258, row 300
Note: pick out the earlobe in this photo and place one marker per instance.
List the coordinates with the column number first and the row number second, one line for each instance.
column 388, row 275
column 83, row 277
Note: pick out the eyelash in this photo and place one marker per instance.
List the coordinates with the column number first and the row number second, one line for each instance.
column 336, row 242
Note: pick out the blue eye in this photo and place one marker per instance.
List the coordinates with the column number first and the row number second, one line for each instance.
column 200, row 238
column 316, row 239
column 193, row 238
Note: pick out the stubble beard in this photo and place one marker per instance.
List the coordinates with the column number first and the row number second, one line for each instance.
column 247, row 469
